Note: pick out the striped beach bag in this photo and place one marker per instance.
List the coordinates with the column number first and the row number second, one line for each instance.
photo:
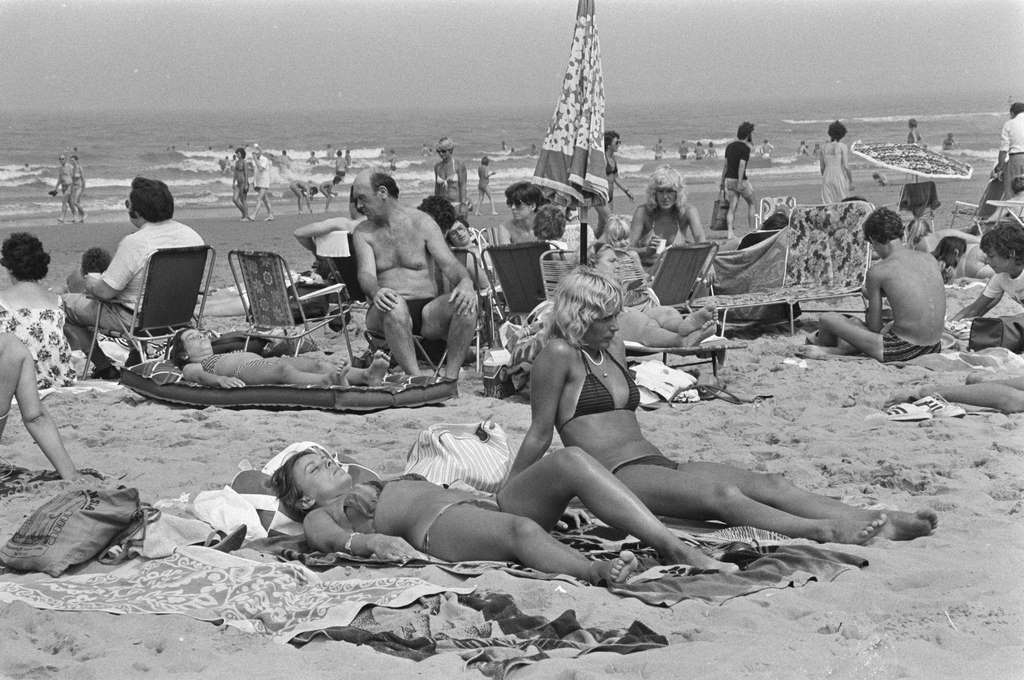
column 476, row 454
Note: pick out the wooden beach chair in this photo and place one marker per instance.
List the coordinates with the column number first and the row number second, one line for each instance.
column 175, row 284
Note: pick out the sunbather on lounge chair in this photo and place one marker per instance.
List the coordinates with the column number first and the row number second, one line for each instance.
column 192, row 352
column 18, row 378
column 646, row 321
column 395, row 519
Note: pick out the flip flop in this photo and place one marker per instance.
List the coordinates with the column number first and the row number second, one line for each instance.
column 939, row 407
column 907, row 412
column 709, row 392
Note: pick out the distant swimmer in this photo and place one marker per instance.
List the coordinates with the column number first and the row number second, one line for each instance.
column 312, row 158
column 803, row 150
column 683, row 150
column 712, row 151
column 63, row 185
column 698, row 151
column 949, row 143
column 285, row 161
column 392, row 160
column 765, row 150
column 327, row 189
column 484, row 174
column 659, row 150
column 340, row 165
column 913, row 136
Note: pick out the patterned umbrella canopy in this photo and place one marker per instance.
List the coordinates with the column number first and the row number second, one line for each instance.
column 913, row 159
column 572, row 157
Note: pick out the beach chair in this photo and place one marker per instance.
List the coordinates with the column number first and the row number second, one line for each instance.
column 554, row 266
column 681, row 270
column 827, row 257
column 517, row 270
column 274, row 307
column 486, row 329
column 773, row 204
column 973, row 215
column 174, row 288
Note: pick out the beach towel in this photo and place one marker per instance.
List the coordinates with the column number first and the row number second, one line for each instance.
column 488, row 630
column 16, row 479
column 277, row 600
column 768, row 561
column 759, row 267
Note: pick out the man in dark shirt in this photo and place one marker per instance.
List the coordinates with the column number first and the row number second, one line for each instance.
column 734, row 175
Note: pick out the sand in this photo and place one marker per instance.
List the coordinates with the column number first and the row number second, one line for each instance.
column 946, row 606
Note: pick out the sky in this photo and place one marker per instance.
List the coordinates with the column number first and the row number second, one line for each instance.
column 327, row 54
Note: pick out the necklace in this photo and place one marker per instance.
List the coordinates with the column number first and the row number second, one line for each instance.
column 597, row 364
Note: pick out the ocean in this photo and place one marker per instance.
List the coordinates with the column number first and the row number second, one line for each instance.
column 185, row 149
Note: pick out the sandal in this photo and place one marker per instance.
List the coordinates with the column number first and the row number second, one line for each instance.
column 709, row 392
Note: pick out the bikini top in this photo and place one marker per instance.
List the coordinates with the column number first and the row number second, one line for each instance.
column 360, row 504
column 595, row 397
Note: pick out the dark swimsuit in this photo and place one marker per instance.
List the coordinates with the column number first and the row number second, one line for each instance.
column 596, row 398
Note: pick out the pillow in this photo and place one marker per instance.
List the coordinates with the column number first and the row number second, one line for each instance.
column 254, row 486
column 160, row 371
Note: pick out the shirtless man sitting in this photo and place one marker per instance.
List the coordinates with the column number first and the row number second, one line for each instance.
column 397, row 249
column 912, row 282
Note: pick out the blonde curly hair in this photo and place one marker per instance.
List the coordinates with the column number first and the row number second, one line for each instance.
column 666, row 177
column 582, row 297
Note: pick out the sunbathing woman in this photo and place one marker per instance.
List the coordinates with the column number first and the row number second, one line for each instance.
column 580, row 385
column 644, row 319
column 192, row 352
column 368, row 519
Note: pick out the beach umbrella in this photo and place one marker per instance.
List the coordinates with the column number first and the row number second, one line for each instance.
column 912, row 159
column 572, row 158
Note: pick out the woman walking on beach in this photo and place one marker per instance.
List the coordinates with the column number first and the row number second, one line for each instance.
column 77, row 189
column 450, row 176
column 665, row 218
column 834, row 158
column 579, row 384
column 612, row 141
column 483, row 187
column 240, row 184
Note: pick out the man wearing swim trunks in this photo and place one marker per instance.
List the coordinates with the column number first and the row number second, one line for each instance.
column 62, row 187
column 397, row 249
column 912, row 282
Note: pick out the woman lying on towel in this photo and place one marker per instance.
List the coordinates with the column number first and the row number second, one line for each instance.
column 395, row 519
column 580, row 385
column 18, row 378
column 192, row 352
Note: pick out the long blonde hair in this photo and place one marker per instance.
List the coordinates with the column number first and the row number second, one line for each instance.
column 582, row 297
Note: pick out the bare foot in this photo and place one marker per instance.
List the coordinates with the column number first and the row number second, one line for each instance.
column 706, row 331
column 685, row 554
column 615, row 571
column 857, row 531
column 906, row 526
column 824, row 353
column 377, row 369
column 340, row 376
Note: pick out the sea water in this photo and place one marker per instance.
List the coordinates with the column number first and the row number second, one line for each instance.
column 185, row 149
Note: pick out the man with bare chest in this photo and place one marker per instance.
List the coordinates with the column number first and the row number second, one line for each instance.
column 397, row 249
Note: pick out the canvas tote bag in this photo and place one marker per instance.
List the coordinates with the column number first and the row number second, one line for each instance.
column 719, row 212
column 476, row 454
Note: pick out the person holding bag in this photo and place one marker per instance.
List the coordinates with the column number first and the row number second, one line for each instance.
column 734, row 176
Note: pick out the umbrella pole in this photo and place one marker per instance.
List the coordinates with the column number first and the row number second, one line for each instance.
column 583, row 242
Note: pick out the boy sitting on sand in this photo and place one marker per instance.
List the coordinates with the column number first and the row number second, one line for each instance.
column 912, row 282
column 1004, row 248
column 192, row 352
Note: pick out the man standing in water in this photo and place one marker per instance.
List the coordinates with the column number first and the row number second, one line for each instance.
column 261, row 183
column 396, row 248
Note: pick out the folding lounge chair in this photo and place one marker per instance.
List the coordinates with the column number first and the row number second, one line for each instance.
column 174, row 282
column 973, row 215
column 554, row 266
column 273, row 306
column 517, row 268
column 681, row 271
column 774, row 204
column 827, row 258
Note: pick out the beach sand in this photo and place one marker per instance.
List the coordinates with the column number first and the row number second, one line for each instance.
column 950, row 605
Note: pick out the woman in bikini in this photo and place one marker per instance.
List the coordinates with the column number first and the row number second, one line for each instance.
column 240, row 184
column 450, row 176
column 192, row 351
column 77, row 189
column 611, row 171
column 665, row 218
column 580, row 385
column 397, row 519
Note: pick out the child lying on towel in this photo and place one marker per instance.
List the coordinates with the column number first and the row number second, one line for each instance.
column 192, row 352
column 397, row 519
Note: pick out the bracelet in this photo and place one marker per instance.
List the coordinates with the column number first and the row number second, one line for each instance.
column 348, row 543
